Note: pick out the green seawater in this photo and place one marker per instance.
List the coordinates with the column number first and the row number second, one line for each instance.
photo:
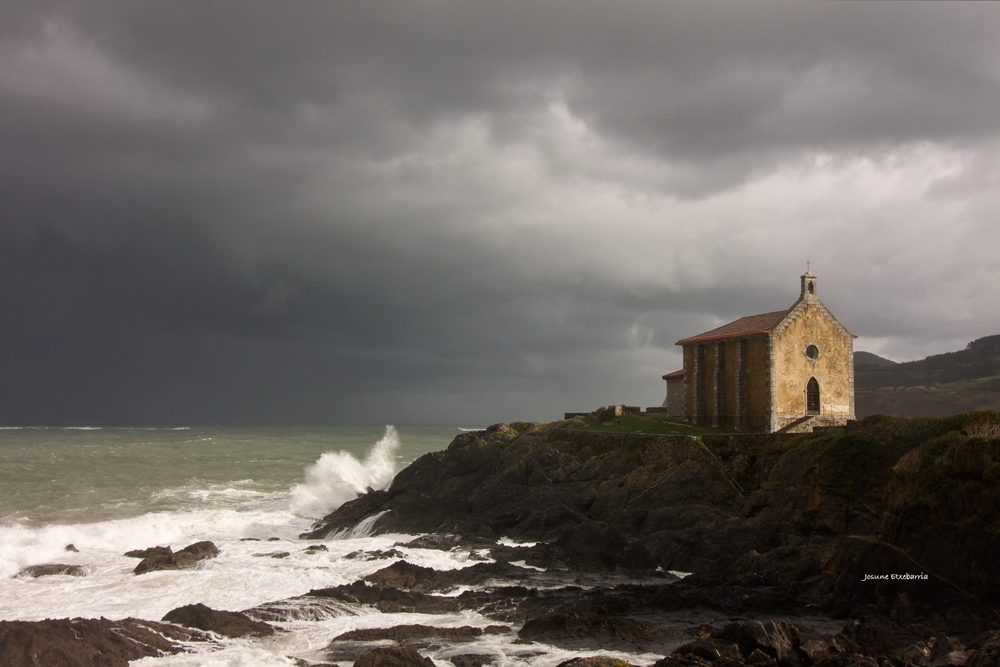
column 73, row 475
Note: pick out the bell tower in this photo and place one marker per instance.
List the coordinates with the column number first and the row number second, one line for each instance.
column 808, row 292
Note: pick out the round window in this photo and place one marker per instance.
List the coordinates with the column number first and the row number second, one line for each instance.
column 812, row 352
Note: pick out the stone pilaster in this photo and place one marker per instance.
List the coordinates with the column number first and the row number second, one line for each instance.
column 719, row 384
column 850, row 367
column 697, row 384
column 741, row 385
column 772, row 385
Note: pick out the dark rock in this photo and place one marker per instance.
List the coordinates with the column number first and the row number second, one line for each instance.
column 412, row 633
column 393, row 657
column 70, row 547
column 592, row 547
column 593, row 661
column 816, row 650
column 49, row 569
column 711, row 649
column 88, row 642
column 389, row 600
column 947, row 652
column 570, row 625
column 402, row 575
column 406, row 576
column 848, row 660
column 185, row 558
column 315, row 548
column 777, row 640
column 985, row 650
column 377, row 554
column 758, row 657
column 690, row 660
column 225, row 623
column 273, row 554
column 472, row 659
column 433, row 541
column 151, row 551
column 301, row 608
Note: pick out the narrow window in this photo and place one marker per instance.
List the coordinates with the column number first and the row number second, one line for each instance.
column 812, row 287
column 812, row 397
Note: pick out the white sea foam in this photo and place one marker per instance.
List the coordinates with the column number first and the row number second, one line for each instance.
column 362, row 529
column 507, row 542
column 338, row 477
column 469, row 430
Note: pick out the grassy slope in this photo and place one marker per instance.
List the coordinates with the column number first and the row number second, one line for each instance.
column 654, row 424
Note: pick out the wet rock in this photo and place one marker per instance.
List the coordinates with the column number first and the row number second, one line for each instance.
column 225, row 623
column 49, row 569
column 301, row 608
column 472, row 659
column 402, row 575
column 349, row 645
column 562, row 626
column 273, row 554
column 389, row 600
column 434, row 541
column 594, row 661
column 70, row 547
column 377, row 554
column 406, row 576
column 150, row 552
column 777, row 640
column 393, row 657
column 88, row 642
column 185, row 558
column 413, row 633
column 316, row 548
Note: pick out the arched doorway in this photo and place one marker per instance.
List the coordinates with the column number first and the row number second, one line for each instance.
column 812, row 397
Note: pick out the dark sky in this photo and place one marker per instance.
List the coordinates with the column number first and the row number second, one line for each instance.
column 468, row 212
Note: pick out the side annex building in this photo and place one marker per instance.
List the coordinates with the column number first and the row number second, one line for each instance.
column 789, row 370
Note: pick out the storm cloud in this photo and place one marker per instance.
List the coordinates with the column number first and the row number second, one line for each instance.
column 467, row 212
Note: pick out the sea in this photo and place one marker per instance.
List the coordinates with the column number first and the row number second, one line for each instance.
column 251, row 491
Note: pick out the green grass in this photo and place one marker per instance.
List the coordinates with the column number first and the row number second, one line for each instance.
column 655, row 423
column 964, row 385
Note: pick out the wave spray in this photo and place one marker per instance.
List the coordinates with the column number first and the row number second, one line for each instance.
column 338, row 477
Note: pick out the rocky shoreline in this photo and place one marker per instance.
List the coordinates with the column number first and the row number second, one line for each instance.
column 873, row 546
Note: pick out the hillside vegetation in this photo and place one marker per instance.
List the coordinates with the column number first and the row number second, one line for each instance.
column 942, row 384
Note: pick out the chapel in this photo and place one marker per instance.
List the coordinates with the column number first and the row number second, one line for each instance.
column 790, row 370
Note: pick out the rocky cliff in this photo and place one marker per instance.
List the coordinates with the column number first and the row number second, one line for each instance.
column 894, row 515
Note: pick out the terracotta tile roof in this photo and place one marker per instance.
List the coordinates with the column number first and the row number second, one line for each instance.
column 745, row 326
column 675, row 374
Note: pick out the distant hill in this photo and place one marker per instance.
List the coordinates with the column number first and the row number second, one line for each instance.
column 941, row 384
column 869, row 359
